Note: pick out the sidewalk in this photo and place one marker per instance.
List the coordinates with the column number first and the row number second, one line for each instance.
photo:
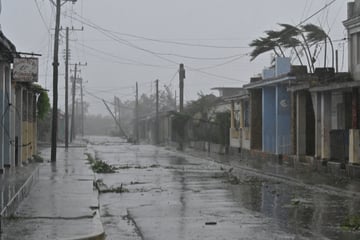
column 62, row 204
column 300, row 174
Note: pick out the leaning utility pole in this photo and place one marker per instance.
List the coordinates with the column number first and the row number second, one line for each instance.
column 157, row 114
column 181, row 85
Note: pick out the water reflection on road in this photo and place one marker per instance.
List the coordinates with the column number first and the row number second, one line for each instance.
column 175, row 196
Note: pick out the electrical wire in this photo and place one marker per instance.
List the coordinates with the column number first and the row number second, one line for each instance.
column 42, row 17
column 131, row 61
column 158, row 54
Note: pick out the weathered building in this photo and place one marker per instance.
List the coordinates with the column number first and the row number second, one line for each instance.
column 240, row 120
column 352, row 25
column 18, row 98
column 275, row 107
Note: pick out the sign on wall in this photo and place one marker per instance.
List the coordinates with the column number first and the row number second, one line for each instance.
column 25, row 69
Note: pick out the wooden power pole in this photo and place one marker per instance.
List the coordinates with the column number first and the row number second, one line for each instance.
column 72, row 132
column 181, row 85
column 66, row 90
column 54, row 122
column 137, row 114
column 157, row 114
column 55, row 84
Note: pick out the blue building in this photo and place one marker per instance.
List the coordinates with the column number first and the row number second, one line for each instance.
column 275, row 106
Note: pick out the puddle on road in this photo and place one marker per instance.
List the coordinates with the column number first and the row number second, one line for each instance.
column 297, row 209
column 188, row 186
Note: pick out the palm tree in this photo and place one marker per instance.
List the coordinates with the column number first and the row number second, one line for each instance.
column 292, row 43
column 275, row 36
column 261, row 46
column 315, row 35
column 291, row 33
column 266, row 44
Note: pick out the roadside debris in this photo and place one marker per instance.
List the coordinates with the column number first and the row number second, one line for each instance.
column 210, row 223
column 99, row 166
column 352, row 223
column 103, row 188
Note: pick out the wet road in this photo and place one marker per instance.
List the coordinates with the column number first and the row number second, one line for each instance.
column 169, row 195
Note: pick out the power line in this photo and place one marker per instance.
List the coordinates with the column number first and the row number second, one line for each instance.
column 158, row 54
column 42, row 17
column 132, row 62
column 171, row 42
column 316, row 13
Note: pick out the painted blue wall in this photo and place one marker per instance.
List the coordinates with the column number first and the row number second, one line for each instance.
column 269, row 119
column 283, row 120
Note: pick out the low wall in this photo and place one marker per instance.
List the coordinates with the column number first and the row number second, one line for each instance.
column 300, row 163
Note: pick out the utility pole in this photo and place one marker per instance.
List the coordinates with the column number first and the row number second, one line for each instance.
column 181, row 85
column 175, row 106
column 72, row 133
column 55, row 80
column 67, row 84
column 82, row 107
column 66, row 90
column 117, row 110
column 72, row 129
column 55, row 84
column 137, row 114
column 157, row 114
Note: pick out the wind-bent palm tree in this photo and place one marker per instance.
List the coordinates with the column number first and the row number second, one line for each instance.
column 290, row 31
column 304, row 37
column 315, row 35
column 262, row 45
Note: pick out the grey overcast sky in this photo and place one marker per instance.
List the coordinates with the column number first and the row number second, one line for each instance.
column 128, row 41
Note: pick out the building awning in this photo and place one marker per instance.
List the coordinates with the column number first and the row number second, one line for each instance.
column 7, row 48
column 335, row 86
column 269, row 82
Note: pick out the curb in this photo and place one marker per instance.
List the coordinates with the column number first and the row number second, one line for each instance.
column 98, row 234
column 285, row 179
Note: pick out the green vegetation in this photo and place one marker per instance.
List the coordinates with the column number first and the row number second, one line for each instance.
column 351, row 223
column 99, row 166
column 306, row 41
column 120, row 189
column 38, row 158
column 43, row 105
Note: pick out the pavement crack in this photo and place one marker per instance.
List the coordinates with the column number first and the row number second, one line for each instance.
column 137, row 229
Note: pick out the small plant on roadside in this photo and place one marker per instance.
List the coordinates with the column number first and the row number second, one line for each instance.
column 99, row 166
column 351, row 223
column 38, row 158
column 120, row 189
column 102, row 167
column 12, row 217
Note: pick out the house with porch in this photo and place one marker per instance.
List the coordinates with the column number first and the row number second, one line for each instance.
column 352, row 25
